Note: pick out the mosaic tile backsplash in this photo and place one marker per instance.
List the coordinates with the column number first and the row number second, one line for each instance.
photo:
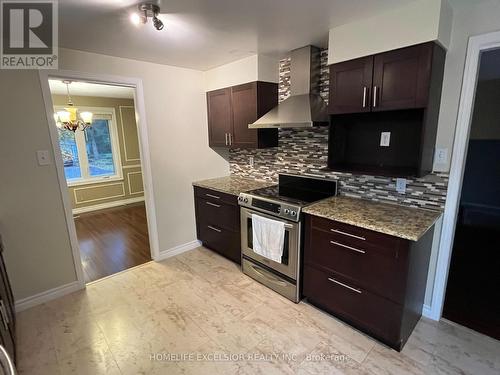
column 305, row 151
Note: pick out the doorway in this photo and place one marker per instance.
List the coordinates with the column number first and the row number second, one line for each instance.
column 99, row 144
column 473, row 279
column 149, row 232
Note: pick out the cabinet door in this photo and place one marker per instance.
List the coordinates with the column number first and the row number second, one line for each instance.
column 219, row 117
column 401, row 78
column 244, row 102
column 350, row 86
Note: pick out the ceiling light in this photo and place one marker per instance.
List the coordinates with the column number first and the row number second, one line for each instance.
column 70, row 118
column 146, row 11
column 135, row 18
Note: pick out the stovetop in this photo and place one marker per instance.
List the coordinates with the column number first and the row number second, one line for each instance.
column 290, row 195
column 287, row 199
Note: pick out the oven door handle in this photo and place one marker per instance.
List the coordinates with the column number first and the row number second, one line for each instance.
column 267, row 275
column 288, row 226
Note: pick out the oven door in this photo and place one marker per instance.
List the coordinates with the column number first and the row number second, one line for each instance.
column 289, row 260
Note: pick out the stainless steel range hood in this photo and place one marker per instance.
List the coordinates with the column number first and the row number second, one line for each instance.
column 304, row 108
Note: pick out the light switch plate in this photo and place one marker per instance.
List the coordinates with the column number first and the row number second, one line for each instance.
column 385, row 139
column 43, row 157
column 441, row 156
column 401, row 185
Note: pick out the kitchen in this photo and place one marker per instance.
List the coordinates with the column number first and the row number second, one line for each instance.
column 301, row 214
column 323, row 229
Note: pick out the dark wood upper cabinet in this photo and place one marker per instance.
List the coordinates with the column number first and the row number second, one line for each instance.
column 219, row 117
column 401, row 78
column 230, row 110
column 393, row 80
column 350, row 86
column 404, row 94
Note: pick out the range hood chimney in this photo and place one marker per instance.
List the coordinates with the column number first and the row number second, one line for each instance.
column 304, row 108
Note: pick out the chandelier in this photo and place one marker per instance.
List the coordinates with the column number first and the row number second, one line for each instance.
column 70, row 118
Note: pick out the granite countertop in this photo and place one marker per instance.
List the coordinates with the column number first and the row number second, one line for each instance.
column 395, row 220
column 232, row 184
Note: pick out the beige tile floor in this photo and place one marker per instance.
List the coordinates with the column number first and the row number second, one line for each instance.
column 198, row 306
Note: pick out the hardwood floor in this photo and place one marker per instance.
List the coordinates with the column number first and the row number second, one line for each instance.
column 112, row 240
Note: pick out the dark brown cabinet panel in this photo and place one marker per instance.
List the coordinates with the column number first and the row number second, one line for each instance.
column 218, row 222
column 244, row 112
column 404, row 94
column 350, row 86
column 219, row 117
column 230, row 110
column 371, row 280
column 7, row 311
column 353, row 303
column 401, row 78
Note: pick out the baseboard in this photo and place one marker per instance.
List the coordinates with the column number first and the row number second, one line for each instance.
column 428, row 313
column 102, row 206
column 178, row 250
column 48, row 295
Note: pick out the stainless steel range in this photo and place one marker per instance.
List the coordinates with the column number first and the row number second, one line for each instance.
column 283, row 202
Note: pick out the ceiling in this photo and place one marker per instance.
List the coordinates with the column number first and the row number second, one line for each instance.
column 203, row 34
column 57, row 87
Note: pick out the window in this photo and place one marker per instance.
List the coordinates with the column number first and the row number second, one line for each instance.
column 92, row 155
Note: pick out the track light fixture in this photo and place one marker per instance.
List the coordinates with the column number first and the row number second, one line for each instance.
column 146, row 11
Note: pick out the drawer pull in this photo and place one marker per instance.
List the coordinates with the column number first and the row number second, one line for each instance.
column 348, row 234
column 213, row 204
column 214, row 228
column 212, row 196
column 344, row 285
column 348, row 247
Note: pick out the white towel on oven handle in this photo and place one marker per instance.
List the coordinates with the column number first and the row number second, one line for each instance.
column 268, row 237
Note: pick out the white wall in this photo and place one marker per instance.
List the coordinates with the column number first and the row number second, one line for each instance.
column 31, row 213
column 473, row 18
column 417, row 22
column 32, row 221
column 249, row 69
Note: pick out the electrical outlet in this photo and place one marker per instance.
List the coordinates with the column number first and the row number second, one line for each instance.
column 401, row 185
column 441, row 156
column 43, row 157
column 250, row 161
column 385, row 139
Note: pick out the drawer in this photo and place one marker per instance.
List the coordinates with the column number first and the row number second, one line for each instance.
column 217, row 212
column 382, row 271
column 365, row 310
column 356, row 235
column 215, row 196
column 223, row 241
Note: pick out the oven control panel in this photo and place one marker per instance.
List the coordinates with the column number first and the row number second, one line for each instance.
column 271, row 207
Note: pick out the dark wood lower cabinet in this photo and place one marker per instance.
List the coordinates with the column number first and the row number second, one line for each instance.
column 7, row 311
column 371, row 280
column 218, row 222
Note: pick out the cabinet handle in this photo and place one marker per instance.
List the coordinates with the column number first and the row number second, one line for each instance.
column 214, row 228
column 348, row 234
column 213, row 204
column 344, row 285
column 212, row 196
column 225, row 134
column 375, row 88
column 348, row 247
column 5, row 318
column 364, row 96
column 230, row 139
column 6, row 362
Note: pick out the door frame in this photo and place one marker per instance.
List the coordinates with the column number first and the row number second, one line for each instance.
column 477, row 45
column 144, row 151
